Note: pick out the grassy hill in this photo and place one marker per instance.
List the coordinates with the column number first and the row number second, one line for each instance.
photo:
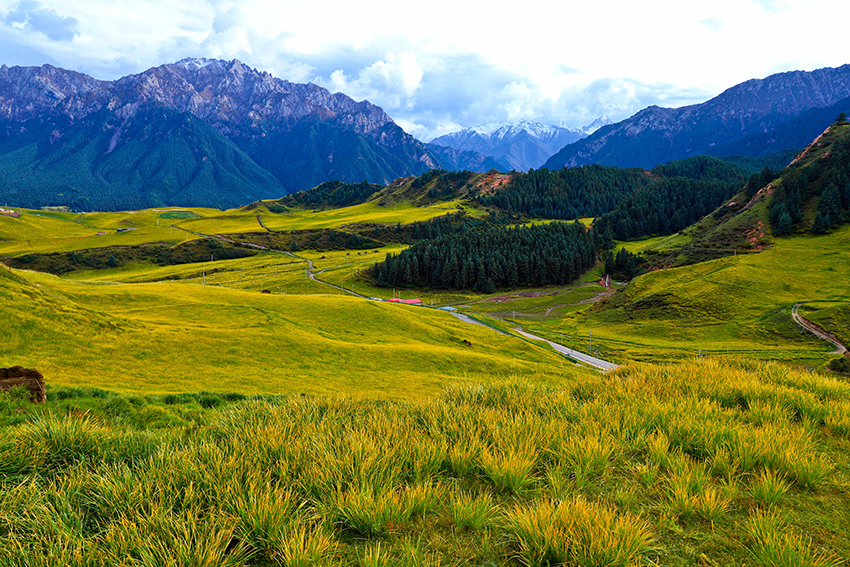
column 163, row 337
column 732, row 306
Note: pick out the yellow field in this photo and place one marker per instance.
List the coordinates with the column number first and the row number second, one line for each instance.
column 41, row 231
column 162, row 337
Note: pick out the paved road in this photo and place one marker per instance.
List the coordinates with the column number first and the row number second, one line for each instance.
column 574, row 354
column 580, row 356
column 472, row 321
column 817, row 331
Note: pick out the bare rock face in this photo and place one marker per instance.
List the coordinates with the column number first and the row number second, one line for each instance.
column 28, row 377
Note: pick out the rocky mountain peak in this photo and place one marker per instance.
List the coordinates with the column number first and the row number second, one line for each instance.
column 658, row 135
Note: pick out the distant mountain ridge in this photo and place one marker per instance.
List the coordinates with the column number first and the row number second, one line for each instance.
column 657, row 135
column 518, row 145
column 300, row 134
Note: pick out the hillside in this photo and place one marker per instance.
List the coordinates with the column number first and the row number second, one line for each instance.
column 133, row 337
column 771, row 252
column 657, row 135
column 771, row 204
column 158, row 157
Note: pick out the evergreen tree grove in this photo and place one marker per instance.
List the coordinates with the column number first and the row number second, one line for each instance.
column 486, row 258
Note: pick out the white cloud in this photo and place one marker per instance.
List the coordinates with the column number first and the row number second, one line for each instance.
column 449, row 63
column 393, row 80
column 33, row 16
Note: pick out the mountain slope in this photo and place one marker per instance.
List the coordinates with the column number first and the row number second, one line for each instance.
column 301, row 133
column 157, row 157
column 658, row 135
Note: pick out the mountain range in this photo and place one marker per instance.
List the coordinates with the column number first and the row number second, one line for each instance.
column 518, row 145
column 200, row 131
column 207, row 132
column 758, row 110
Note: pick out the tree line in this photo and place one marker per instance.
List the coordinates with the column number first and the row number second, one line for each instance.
column 488, row 257
column 826, row 179
column 331, row 194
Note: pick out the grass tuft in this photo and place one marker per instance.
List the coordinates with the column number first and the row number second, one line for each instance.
column 772, row 544
column 576, row 532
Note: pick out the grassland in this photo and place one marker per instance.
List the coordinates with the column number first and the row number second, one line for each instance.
column 710, row 463
column 733, row 306
column 834, row 317
column 194, row 421
column 177, row 337
column 44, row 231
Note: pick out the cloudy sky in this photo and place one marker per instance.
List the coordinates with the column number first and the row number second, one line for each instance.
column 441, row 65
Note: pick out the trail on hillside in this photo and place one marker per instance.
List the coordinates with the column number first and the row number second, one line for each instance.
column 816, row 330
column 260, row 220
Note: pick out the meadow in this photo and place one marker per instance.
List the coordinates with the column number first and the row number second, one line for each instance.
column 711, row 463
column 177, row 337
column 194, row 421
column 733, row 306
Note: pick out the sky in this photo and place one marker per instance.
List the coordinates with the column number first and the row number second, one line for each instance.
column 442, row 65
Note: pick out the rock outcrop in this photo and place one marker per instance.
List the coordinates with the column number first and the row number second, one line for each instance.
column 27, row 377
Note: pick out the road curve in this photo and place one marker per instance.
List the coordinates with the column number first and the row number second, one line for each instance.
column 816, row 330
column 580, row 356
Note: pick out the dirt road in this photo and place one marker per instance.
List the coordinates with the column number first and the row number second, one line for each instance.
column 816, row 330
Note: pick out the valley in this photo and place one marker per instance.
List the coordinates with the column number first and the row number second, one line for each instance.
column 603, row 367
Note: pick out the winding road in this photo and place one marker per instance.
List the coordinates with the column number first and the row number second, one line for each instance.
column 575, row 355
column 603, row 365
column 816, row 330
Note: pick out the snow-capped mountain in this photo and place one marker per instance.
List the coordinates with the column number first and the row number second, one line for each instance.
column 518, row 145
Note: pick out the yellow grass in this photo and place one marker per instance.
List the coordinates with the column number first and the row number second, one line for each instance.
column 164, row 337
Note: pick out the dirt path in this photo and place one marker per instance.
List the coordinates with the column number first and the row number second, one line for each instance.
column 310, row 269
column 260, row 220
column 816, row 330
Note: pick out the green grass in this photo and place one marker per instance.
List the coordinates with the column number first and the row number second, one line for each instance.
column 42, row 231
column 732, row 306
column 463, row 477
column 236, row 220
column 832, row 317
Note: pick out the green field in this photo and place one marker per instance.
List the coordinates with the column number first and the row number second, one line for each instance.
column 738, row 306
